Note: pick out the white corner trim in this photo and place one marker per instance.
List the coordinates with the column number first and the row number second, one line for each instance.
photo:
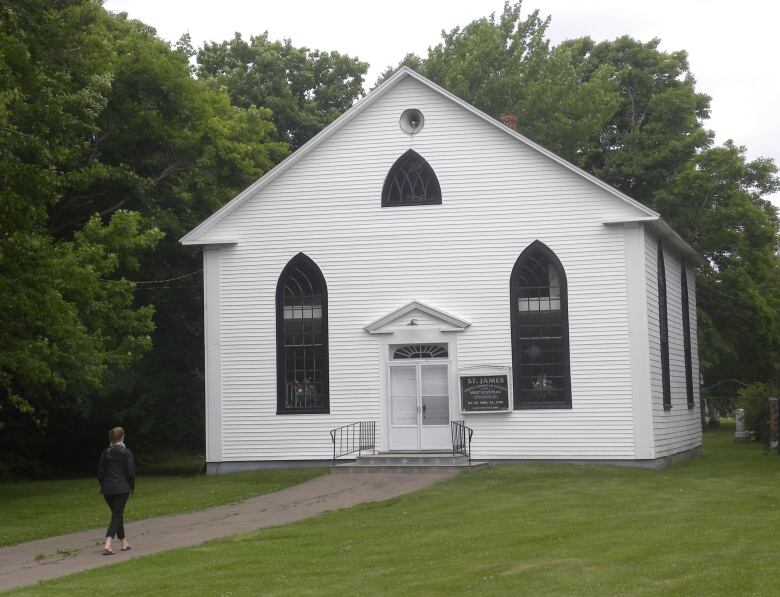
column 457, row 323
column 638, row 341
column 212, row 337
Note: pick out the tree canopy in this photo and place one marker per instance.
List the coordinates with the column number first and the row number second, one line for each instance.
column 112, row 146
column 304, row 89
column 109, row 151
column 630, row 114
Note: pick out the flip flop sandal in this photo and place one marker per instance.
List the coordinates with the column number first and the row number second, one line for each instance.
column 108, row 552
column 128, row 548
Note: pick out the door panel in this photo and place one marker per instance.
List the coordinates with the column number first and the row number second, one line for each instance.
column 435, row 397
column 403, row 395
column 435, row 408
column 404, row 426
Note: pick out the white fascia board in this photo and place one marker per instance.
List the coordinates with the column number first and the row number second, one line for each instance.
column 631, row 220
column 666, row 232
column 195, row 236
column 213, row 242
column 556, row 158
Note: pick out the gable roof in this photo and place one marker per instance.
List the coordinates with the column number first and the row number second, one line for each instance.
column 195, row 236
column 450, row 322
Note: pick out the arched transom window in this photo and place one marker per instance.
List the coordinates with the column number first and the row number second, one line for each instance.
column 411, row 181
column 421, row 351
column 302, row 338
column 540, row 330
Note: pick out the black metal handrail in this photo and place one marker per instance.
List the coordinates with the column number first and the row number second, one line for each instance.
column 461, row 438
column 352, row 438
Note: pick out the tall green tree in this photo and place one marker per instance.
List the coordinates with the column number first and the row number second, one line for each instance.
column 630, row 114
column 67, row 314
column 109, row 151
column 304, row 89
column 716, row 202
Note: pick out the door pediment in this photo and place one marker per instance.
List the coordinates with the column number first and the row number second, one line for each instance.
column 416, row 315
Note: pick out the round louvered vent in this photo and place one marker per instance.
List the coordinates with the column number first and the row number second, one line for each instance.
column 412, row 121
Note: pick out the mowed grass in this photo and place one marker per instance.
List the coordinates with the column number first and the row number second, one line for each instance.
column 36, row 509
column 707, row 527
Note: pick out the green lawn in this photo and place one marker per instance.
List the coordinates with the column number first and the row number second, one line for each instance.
column 709, row 527
column 37, row 509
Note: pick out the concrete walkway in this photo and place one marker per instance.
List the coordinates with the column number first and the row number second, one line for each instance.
column 34, row 561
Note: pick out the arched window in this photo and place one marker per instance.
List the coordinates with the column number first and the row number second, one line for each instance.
column 540, row 330
column 411, row 181
column 302, row 338
column 686, row 319
column 421, row 351
column 663, row 326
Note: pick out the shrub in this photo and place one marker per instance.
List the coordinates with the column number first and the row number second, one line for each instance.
column 753, row 399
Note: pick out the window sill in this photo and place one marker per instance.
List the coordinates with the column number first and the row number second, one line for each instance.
column 543, row 406
column 318, row 411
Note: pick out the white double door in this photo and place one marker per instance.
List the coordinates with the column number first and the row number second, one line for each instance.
column 419, row 406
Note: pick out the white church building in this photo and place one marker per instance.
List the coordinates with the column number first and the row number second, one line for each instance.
column 419, row 262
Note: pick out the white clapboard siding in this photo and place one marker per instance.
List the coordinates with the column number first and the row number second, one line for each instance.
column 498, row 197
column 678, row 429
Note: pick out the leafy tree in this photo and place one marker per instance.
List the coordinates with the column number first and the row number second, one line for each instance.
column 716, row 203
column 304, row 89
column 621, row 109
column 658, row 125
column 66, row 318
column 631, row 115
column 107, row 143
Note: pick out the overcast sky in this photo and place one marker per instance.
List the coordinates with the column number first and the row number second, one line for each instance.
column 732, row 46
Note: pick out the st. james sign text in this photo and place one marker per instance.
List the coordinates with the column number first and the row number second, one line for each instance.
column 484, row 393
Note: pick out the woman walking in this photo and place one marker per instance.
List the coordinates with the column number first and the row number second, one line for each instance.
column 116, row 473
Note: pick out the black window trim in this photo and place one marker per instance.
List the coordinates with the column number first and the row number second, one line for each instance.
column 663, row 328
column 280, row 348
column 408, row 155
column 686, row 320
column 518, row 404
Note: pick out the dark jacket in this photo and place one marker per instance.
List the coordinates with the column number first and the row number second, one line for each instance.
column 116, row 470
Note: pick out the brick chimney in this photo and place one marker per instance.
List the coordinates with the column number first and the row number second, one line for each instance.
column 509, row 120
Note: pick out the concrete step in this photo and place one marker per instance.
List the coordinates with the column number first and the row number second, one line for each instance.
column 407, row 462
column 402, row 468
column 418, row 458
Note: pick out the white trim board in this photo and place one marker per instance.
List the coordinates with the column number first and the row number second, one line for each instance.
column 196, row 236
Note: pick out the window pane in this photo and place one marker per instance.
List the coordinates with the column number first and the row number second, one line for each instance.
column 303, row 349
column 411, row 181
column 539, row 329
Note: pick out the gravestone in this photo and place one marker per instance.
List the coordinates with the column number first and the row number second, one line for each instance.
column 740, row 435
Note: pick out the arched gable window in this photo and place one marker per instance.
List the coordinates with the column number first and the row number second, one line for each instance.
column 302, row 338
column 540, row 330
column 663, row 326
column 686, row 319
column 411, row 181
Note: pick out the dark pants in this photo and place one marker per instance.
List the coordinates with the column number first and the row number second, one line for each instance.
column 117, row 502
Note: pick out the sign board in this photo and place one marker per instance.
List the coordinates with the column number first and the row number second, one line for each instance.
column 487, row 393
